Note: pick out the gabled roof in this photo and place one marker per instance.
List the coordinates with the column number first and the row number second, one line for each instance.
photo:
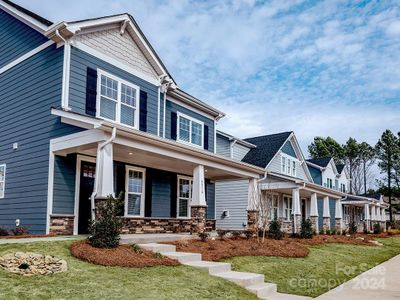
column 340, row 168
column 322, row 161
column 267, row 147
column 29, row 13
column 238, row 140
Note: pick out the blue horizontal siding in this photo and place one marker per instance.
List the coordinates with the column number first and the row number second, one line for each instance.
column 16, row 38
column 161, row 193
column 332, row 209
column 173, row 107
column 316, row 175
column 288, row 149
column 81, row 60
column 210, row 197
column 29, row 90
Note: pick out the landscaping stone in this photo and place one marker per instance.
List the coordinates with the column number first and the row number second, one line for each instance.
column 29, row 264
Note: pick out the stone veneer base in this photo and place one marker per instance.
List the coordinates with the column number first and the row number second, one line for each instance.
column 62, row 225
column 314, row 222
column 326, row 223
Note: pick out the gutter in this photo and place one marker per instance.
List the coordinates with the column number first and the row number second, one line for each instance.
column 101, row 146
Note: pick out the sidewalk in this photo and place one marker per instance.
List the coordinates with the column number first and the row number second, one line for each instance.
column 380, row 282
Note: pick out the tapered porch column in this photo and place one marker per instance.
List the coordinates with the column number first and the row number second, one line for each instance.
column 314, row 211
column 326, row 215
column 198, row 205
column 104, row 185
column 253, row 199
column 338, row 215
column 296, row 210
column 367, row 218
column 373, row 213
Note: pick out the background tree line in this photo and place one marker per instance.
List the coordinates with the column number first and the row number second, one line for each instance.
column 360, row 158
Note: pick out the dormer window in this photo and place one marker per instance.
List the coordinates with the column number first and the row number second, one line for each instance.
column 117, row 100
column 289, row 165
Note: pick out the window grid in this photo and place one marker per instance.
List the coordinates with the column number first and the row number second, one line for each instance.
column 190, row 131
column 134, row 201
column 185, row 186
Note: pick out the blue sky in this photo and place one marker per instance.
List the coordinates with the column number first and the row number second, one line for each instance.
column 315, row 67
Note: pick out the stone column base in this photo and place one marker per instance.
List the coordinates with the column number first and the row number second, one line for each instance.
column 252, row 220
column 198, row 215
column 338, row 225
column 314, row 222
column 297, row 223
column 326, row 223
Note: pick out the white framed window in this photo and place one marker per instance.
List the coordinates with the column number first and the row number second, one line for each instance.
column 117, row 100
column 2, row 180
column 346, row 214
column 289, row 165
column 185, row 188
column 329, row 183
column 287, row 207
column 274, row 206
column 135, row 191
column 343, row 188
column 190, row 130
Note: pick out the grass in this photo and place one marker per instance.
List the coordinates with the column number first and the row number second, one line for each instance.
column 87, row 281
column 323, row 266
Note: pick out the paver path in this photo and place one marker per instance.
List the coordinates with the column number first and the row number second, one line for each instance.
column 380, row 282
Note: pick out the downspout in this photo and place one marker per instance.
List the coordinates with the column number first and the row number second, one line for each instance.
column 101, row 146
column 66, row 71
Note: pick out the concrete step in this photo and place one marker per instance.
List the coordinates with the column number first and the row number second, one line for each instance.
column 280, row 296
column 158, row 247
column 242, row 278
column 183, row 257
column 213, row 267
column 262, row 290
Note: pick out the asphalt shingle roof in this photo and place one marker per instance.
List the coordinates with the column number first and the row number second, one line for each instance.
column 267, row 147
column 322, row 161
column 340, row 168
column 29, row 13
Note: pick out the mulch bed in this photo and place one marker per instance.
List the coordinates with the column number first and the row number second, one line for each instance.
column 340, row 239
column 10, row 237
column 215, row 250
column 122, row 256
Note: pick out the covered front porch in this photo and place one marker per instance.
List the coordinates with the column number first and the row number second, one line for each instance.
column 166, row 186
column 291, row 201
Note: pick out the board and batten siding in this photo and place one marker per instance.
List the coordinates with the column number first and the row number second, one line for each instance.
column 231, row 195
column 81, row 60
column 223, row 146
column 239, row 151
column 28, row 91
column 174, row 107
column 16, row 38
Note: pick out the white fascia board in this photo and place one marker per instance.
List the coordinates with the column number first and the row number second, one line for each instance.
column 114, row 62
column 25, row 56
column 28, row 20
column 315, row 166
column 77, row 139
column 85, row 121
column 188, row 106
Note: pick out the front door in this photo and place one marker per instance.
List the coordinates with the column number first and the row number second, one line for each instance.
column 88, row 171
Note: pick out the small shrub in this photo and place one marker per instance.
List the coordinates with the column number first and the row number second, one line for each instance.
column 136, row 248
column 352, row 227
column 236, row 234
column 158, row 255
column 377, row 228
column 334, row 231
column 249, row 233
column 105, row 230
column 321, row 231
column 222, row 233
column 275, row 230
column 306, row 231
column 344, row 232
column 4, row 232
column 328, row 232
column 20, row 230
column 204, row 236
column 295, row 235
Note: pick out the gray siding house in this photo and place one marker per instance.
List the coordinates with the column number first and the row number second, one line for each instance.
column 88, row 110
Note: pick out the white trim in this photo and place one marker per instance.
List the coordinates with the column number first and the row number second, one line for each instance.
column 28, row 20
column 189, row 214
column 50, row 188
column 114, row 62
column 143, row 194
column 25, row 56
column 66, row 76
column 118, row 101
column 192, row 108
column 164, row 112
column 79, row 159
column 158, row 111
column 215, row 136
column 291, row 159
column 2, row 195
column 191, row 119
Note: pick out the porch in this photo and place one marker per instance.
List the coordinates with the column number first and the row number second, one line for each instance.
column 168, row 187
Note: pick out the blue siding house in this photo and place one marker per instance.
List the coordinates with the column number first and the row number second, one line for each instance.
column 83, row 118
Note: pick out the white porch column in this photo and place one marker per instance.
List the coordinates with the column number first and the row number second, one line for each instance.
column 104, row 171
column 338, row 215
column 296, row 211
column 314, row 211
column 253, row 198
column 373, row 213
column 367, row 217
column 383, row 214
column 326, row 214
column 199, row 192
column 378, row 213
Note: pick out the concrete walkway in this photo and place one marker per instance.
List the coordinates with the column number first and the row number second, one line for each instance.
column 144, row 238
column 380, row 282
column 41, row 239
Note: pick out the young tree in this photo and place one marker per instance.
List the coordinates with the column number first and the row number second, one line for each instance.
column 326, row 147
column 388, row 151
column 367, row 158
column 351, row 155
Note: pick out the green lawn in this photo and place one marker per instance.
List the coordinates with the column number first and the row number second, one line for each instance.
column 87, row 281
column 327, row 265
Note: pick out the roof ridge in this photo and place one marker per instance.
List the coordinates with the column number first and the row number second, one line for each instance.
column 268, row 135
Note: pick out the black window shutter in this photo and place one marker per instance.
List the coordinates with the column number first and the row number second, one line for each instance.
column 91, row 92
column 173, row 125
column 119, row 182
column 143, row 111
column 205, row 137
column 174, row 194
